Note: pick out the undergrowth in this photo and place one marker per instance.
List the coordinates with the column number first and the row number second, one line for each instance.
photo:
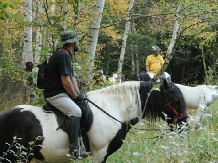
column 197, row 146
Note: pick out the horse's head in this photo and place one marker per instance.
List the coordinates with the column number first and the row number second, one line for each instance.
column 144, row 76
column 135, row 77
column 175, row 105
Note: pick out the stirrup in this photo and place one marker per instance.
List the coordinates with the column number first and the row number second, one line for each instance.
column 79, row 154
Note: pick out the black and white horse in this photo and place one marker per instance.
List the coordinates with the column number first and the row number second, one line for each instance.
column 123, row 102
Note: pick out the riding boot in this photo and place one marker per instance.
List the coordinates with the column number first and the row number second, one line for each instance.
column 74, row 127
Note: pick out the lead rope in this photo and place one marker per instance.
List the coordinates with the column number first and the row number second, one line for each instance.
column 106, row 112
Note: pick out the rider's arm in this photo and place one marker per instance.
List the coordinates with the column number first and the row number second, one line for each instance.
column 147, row 64
column 68, row 86
column 147, row 68
column 75, row 84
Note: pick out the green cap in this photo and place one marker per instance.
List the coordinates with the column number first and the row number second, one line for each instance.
column 69, row 36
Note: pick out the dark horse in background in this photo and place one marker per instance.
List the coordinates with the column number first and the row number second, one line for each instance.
column 147, row 76
column 115, row 109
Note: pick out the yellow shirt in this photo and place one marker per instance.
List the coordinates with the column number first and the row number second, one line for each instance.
column 154, row 63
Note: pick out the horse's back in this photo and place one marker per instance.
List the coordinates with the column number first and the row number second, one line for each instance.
column 198, row 95
column 22, row 123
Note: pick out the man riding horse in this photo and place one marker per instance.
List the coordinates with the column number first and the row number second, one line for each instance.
column 62, row 91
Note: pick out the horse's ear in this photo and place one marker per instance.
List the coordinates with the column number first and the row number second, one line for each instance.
column 165, row 83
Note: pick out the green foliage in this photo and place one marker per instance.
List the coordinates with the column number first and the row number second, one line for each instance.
column 39, row 99
column 3, row 10
column 22, row 153
column 212, row 78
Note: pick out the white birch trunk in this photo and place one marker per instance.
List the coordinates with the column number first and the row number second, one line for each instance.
column 65, row 10
column 169, row 54
column 92, row 37
column 122, row 53
column 27, row 48
column 76, row 17
column 38, row 38
column 27, row 54
column 135, row 53
column 51, row 42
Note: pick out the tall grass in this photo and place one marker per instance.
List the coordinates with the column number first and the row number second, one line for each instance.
column 196, row 146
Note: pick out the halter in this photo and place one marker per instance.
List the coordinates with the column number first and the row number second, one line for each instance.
column 177, row 115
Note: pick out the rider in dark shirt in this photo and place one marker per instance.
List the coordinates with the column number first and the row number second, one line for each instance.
column 63, row 91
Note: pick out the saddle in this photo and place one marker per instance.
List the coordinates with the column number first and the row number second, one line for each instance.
column 85, row 121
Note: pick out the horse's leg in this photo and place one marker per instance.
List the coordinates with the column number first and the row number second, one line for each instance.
column 99, row 156
column 200, row 113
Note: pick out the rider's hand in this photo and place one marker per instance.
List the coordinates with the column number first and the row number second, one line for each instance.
column 81, row 97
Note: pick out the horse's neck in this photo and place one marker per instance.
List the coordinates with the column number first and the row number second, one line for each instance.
column 122, row 99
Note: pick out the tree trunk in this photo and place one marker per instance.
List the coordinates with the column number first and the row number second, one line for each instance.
column 203, row 60
column 169, row 54
column 122, row 53
column 134, row 53
column 65, row 11
column 92, row 39
column 38, row 37
column 51, row 42
column 76, row 22
column 27, row 54
column 76, row 11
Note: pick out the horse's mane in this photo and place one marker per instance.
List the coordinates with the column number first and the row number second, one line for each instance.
column 177, row 96
column 158, row 98
column 120, row 96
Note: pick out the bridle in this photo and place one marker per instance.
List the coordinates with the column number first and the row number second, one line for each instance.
column 177, row 116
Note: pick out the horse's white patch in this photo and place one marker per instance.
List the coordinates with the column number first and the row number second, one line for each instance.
column 56, row 141
column 202, row 94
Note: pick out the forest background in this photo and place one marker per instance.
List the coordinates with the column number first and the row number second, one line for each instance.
column 30, row 31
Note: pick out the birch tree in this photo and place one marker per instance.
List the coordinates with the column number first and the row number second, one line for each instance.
column 38, row 48
column 92, row 37
column 27, row 53
column 65, row 11
column 169, row 54
column 127, row 29
column 27, row 47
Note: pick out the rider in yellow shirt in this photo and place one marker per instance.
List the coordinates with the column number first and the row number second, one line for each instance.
column 154, row 61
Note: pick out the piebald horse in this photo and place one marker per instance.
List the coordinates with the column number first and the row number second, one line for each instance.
column 121, row 105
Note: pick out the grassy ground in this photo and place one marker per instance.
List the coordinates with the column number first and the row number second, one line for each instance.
column 197, row 146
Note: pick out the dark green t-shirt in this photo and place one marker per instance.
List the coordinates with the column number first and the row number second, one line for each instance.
column 59, row 64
